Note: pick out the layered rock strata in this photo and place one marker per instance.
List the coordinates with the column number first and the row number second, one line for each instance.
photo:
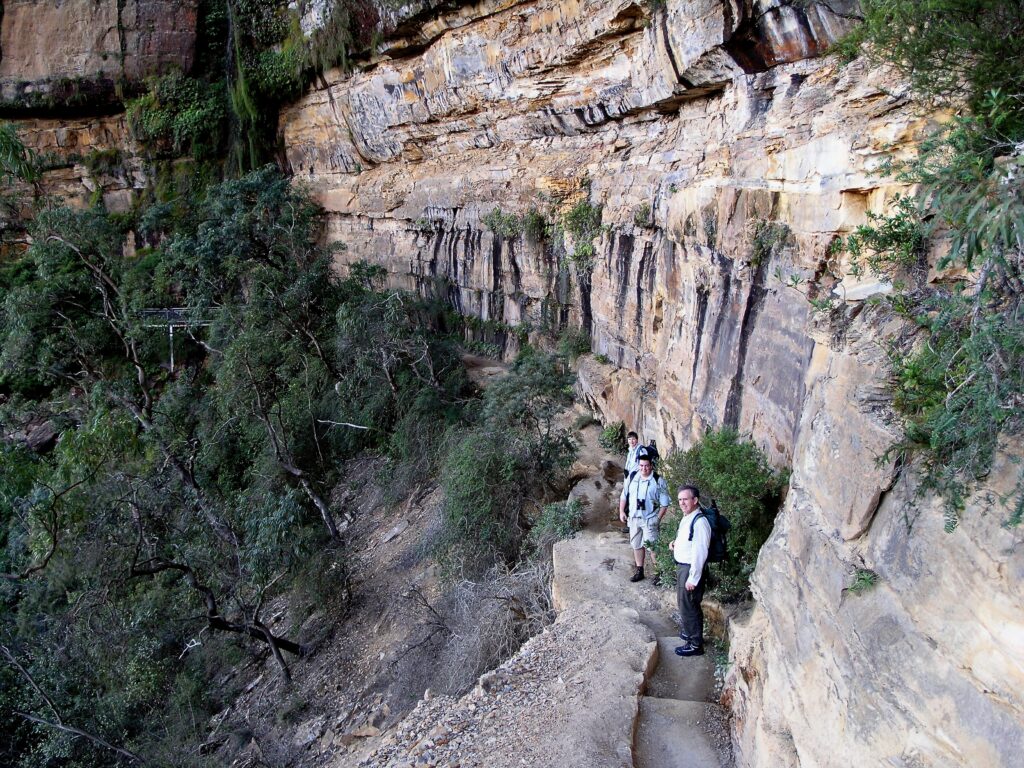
column 711, row 180
column 725, row 160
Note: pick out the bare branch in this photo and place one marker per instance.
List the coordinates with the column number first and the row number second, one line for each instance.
column 31, row 681
column 84, row 734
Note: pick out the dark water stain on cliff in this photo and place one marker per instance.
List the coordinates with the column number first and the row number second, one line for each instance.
column 755, row 300
column 517, row 277
column 725, row 268
column 586, row 314
column 645, row 273
column 435, row 251
column 753, row 46
column 702, row 312
column 622, row 249
column 496, row 241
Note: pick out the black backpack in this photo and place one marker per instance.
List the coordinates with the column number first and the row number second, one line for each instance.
column 720, row 525
column 649, row 452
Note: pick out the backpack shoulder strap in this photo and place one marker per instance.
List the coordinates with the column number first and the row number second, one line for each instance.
column 703, row 513
column 631, row 476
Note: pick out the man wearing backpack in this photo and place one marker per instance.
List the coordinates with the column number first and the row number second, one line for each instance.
column 643, row 503
column 691, row 554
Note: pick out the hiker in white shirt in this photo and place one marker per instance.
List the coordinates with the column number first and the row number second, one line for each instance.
column 643, row 503
column 691, row 554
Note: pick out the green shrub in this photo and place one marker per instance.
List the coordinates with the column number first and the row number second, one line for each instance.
column 524, row 406
column 514, row 452
column 535, row 225
column 767, row 237
column 602, row 358
column 613, row 438
column 555, row 522
column 642, row 215
column 585, row 420
column 863, row 580
column 103, row 161
column 583, row 222
column 482, row 482
column 573, row 342
column 951, row 50
column 735, row 474
column 663, row 563
column 506, row 225
column 888, row 242
column 959, row 384
column 181, row 114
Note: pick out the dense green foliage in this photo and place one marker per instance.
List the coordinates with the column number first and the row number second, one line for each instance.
column 735, row 474
column 950, row 49
column 555, row 522
column 583, row 223
column 504, row 224
column 181, row 115
column 226, row 107
column 959, row 383
column 573, row 342
column 863, row 580
column 613, row 438
column 140, row 550
column 510, row 456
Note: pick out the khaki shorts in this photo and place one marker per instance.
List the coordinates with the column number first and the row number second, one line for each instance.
column 641, row 530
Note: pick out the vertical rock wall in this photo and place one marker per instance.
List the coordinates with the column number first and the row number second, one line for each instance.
column 78, row 56
column 725, row 158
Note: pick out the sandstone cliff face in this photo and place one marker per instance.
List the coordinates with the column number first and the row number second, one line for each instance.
column 532, row 106
column 726, row 159
column 65, row 69
column 74, row 55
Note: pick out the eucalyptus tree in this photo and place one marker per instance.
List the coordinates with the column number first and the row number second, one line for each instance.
column 176, row 505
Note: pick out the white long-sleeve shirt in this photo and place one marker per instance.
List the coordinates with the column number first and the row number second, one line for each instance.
column 693, row 552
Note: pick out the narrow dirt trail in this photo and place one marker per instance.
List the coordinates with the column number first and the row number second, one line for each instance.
column 679, row 723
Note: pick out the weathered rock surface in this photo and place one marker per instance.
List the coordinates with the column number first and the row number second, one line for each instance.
column 533, row 106
column 725, row 159
column 71, row 56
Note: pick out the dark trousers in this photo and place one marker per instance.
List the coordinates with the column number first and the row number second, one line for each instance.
column 690, row 613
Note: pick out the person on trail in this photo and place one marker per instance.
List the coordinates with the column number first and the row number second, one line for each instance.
column 631, row 455
column 643, row 503
column 631, row 465
column 691, row 554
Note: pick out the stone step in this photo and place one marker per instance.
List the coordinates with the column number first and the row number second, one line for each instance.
column 659, row 622
column 673, row 734
column 685, row 679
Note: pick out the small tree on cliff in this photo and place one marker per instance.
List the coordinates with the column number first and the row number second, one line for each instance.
column 960, row 381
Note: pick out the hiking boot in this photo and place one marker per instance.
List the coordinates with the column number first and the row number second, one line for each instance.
column 656, row 581
column 624, row 529
column 638, row 574
column 689, row 649
column 684, row 637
